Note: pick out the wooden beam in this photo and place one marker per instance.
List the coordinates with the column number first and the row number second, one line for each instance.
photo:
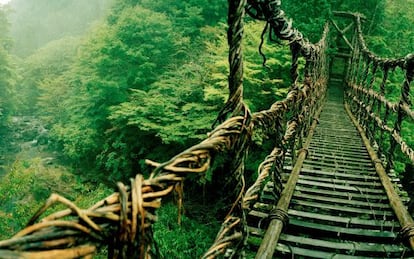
column 269, row 242
column 397, row 205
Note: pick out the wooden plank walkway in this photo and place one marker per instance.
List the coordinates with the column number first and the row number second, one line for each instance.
column 339, row 208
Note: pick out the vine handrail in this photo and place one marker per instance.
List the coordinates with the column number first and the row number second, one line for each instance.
column 370, row 102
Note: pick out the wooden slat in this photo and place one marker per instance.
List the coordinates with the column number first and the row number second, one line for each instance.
column 311, row 253
column 352, row 221
column 337, row 231
column 350, row 247
column 339, row 139
column 338, row 175
column 338, row 159
column 335, row 141
column 338, row 169
column 342, row 153
column 349, row 221
column 375, row 198
column 340, row 187
column 345, row 246
column 370, row 184
column 339, row 210
column 345, row 202
column 335, row 146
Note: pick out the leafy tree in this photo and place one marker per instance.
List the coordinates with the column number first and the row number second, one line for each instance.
column 39, row 69
column 178, row 109
column 308, row 16
column 397, row 33
column 129, row 54
column 6, row 68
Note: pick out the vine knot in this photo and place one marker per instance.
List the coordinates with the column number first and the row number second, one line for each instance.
column 279, row 214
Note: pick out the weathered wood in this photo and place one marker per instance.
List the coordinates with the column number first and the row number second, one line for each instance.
column 271, row 237
column 341, row 187
column 338, row 231
column 355, row 247
column 345, row 246
column 345, row 202
column 348, row 221
column 340, row 210
column 333, row 174
column 400, row 210
column 332, row 145
column 373, row 198
column 324, row 151
column 311, row 253
column 342, row 182
column 332, row 164
column 319, row 218
column 340, row 159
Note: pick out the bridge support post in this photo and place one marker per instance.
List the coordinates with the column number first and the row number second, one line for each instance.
column 279, row 216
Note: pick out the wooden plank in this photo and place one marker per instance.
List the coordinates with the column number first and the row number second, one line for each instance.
column 347, row 246
column 340, row 165
column 370, row 184
column 337, row 231
column 339, row 158
column 347, row 196
column 324, row 244
column 341, row 187
column 341, row 209
column 338, row 139
column 348, row 221
column 339, row 147
column 328, row 150
column 339, row 175
column 377, row 198
column 343, row 158
column 332, row 134
column 344, row 139
column 288, row 251
column 315, row 166
column 339, row 152
column 345, row 202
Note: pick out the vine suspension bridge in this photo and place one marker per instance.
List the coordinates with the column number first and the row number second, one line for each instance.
column 327, row 189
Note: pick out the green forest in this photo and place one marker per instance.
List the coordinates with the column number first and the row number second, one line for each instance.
column 90, row 89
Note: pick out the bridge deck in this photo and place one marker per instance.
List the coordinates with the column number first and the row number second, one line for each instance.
column 339, row 208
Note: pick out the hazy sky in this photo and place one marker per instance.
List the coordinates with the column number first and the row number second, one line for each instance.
column 4, row 1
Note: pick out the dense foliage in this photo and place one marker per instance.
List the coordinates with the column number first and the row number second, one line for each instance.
column 6, row 68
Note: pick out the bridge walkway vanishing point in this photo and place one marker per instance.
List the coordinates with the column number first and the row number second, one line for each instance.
column 339, row 208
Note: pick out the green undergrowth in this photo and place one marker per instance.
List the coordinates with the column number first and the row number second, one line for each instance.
column 192, row 238
column 28, row 184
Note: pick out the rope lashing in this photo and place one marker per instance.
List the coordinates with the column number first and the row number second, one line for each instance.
column 279, row 214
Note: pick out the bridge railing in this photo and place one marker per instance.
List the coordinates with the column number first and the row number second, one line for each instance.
column 123, row 221
column 386, row 115
column 384, row 118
